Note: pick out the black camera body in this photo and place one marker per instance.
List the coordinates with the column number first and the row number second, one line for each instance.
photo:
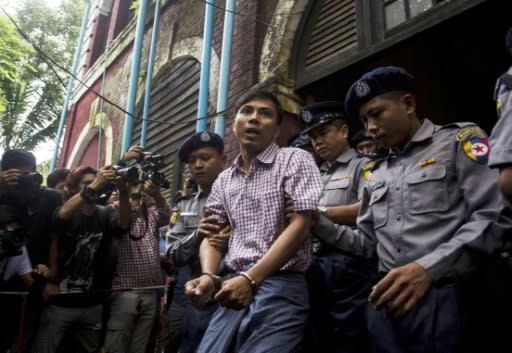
column 129, row 174
column 30, row 180
column 149, row 164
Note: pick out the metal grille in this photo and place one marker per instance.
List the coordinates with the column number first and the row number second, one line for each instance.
column 173, row 100
column 334, row 32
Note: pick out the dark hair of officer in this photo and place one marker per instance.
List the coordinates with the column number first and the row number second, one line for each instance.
column 263, row 95
column 14, row 158
column 59, row 174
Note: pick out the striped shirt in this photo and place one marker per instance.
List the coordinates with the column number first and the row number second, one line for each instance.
column 253, row 203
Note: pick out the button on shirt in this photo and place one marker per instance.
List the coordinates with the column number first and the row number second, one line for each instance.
column 428, row 203
column 253, row 203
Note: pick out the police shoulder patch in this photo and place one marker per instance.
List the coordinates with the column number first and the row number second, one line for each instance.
column 367, row 169
column 475, row 144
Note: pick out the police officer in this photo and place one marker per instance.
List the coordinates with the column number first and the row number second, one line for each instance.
column 364, row 143
column 204, row 153
column 339, row 282
column 501, row 135
column 429, row 208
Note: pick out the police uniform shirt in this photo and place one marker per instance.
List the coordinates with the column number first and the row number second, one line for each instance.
column 343, row 180
column 181, row 241
column 428, row 203
column 501, row 135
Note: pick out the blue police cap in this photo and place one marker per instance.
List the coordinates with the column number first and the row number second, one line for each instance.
column 320, row 113
column 371, row 84
column 200, row 140
column 359, row 136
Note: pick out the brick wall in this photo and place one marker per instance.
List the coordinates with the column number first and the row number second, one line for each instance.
column 187, row 19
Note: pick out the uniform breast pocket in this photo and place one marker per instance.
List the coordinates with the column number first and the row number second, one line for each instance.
column 338, row 184
column 428, row 190
column 379, row 206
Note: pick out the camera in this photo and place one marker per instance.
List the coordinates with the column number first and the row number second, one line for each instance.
column 149, row 164
column 30, row 180
column 12, row 235
column 129, row 174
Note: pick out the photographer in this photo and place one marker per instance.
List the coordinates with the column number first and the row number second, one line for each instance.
column 20, row 188
column 15, row 263
column 132, row 313
column 87, row 231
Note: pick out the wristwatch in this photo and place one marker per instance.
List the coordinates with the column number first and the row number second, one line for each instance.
column 88, row 194
column 322, row 210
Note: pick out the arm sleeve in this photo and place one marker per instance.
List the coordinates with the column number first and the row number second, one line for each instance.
column 302, row 181
column 216, row 203
column 358, row 241
column 501, row 136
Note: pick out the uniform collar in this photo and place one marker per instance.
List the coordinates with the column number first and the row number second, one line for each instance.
column 424, row 133
column 343, row 158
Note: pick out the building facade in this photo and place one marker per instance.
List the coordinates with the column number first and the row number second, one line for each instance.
column 303, row 50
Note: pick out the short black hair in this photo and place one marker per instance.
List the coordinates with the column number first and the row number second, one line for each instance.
column 56, row 176
column 16, row 158
column 262, row 94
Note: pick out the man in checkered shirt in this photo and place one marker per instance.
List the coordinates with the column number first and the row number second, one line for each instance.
column 263, row 297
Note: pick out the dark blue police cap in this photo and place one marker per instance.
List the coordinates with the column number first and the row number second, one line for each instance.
column 200, row 140
column 359, row 136
column 320, row 113
column 371, row 84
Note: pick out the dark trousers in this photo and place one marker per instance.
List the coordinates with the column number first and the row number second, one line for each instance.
column 339, row 285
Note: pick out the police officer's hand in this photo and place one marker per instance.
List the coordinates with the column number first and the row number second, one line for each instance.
column 220, row 240
column 289, row 210
column 133, row 152
column 236, row 293
column 200, row 290
column 208, row 225
column 401, row 290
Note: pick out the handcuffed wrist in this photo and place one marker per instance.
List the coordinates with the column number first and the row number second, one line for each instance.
column 217, row 281
column 251, row 281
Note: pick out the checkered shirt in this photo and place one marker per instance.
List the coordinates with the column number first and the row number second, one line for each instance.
column 253, row 203
column 138, row 263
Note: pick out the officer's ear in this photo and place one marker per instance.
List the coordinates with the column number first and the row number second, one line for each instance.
column 409, row 101
column 345, row 131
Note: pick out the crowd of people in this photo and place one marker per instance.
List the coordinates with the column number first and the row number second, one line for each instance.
column 394, row 238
